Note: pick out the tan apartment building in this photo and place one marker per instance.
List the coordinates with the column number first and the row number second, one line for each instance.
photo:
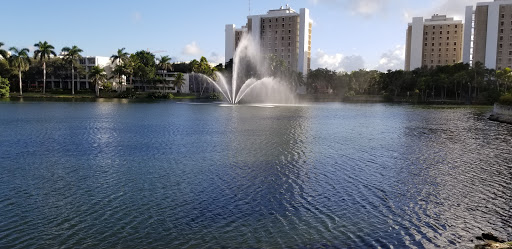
column 281, row 32
column 488, row 34
column 434, row 42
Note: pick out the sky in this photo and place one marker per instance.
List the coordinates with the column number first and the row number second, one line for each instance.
column 347, row 34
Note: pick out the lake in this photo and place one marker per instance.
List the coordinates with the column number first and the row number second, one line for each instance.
column 164, row 174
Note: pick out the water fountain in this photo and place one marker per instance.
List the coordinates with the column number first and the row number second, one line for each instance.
column 260, row 87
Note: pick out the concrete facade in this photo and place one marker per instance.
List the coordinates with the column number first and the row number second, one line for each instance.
column 434, row 42
column 281, row 32
column 489, row 41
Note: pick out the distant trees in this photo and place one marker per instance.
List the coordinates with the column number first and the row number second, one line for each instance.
column 144, row 65
column 98, row 76
column 43, row 52
column 20, row 61
column 72, row 55
column 179, row 81
column 4, row 88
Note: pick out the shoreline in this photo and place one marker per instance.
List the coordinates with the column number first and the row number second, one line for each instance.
column 502, row 114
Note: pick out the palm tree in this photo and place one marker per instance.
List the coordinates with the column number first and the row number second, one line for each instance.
column 98, row 75
column 3, row 53
column 72, row 55
column 19, row 60
column 164, row 63
column 119, row 70
column 179, row 81
column 120, row 57
column 43, row 52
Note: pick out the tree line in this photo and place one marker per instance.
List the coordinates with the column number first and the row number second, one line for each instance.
column 458, row 82
column 17, row 66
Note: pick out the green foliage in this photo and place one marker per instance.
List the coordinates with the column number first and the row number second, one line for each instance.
column 107, row 86
column 4, row 88
column 215, row 96
column 144, row 65
column 506, row 99
column 5, row 70
column 160, row 95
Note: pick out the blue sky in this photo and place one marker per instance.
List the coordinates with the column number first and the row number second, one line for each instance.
column 347, row 34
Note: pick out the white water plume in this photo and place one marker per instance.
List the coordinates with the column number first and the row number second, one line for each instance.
column 248, row 62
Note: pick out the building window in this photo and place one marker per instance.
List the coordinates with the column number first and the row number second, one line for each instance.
column 455, row 31
column 426, row 33
column 426, row 38
column 455, row 26
column 509, row 53
column 270, row 26
column 432, row 44
column 448, row 32
column 501, row 31
column 282, row 25
column 283, row 19
column 448, row 38
column 289, row 31
column 440, row 32
column 425, row 44
column 433, row 38
column 434, row 27
column 502, row 23
column 501, row 38
column 433, row 33
column 439, row 49
column 431, row 61
column 454, row 49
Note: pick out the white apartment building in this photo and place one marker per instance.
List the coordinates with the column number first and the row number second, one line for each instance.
column 82, row 80
column 488, row 34
column 433, row 42
column 282, row 32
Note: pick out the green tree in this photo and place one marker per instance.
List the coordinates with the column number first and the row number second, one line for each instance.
column 72, row 55
column 504, row 78
column 120, row 57
column 164, row 63
column 20, row 61
column 144, row 65
column 43, row 52
column 98, row 76
column 179, row 82
column 4, row 88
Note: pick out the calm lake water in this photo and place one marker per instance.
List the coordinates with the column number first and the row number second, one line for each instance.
column 117, row 174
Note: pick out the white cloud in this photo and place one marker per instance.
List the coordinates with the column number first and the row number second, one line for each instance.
column 191, row 49
column 358, row 7
column 216, row 58
column 136, row 17
column 338, row 62
column 392, row 59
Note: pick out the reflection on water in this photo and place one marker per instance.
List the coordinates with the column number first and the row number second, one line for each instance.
column 162, row 174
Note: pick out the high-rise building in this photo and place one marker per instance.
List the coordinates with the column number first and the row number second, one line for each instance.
column 433, row 42
column 488, row 34
column 281, row 32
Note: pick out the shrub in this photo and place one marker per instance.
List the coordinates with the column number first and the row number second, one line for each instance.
column 4, row 88
column 388, row 98
column 107, row 86
column 215, row 96
column 160, row 95
column 505, row 99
